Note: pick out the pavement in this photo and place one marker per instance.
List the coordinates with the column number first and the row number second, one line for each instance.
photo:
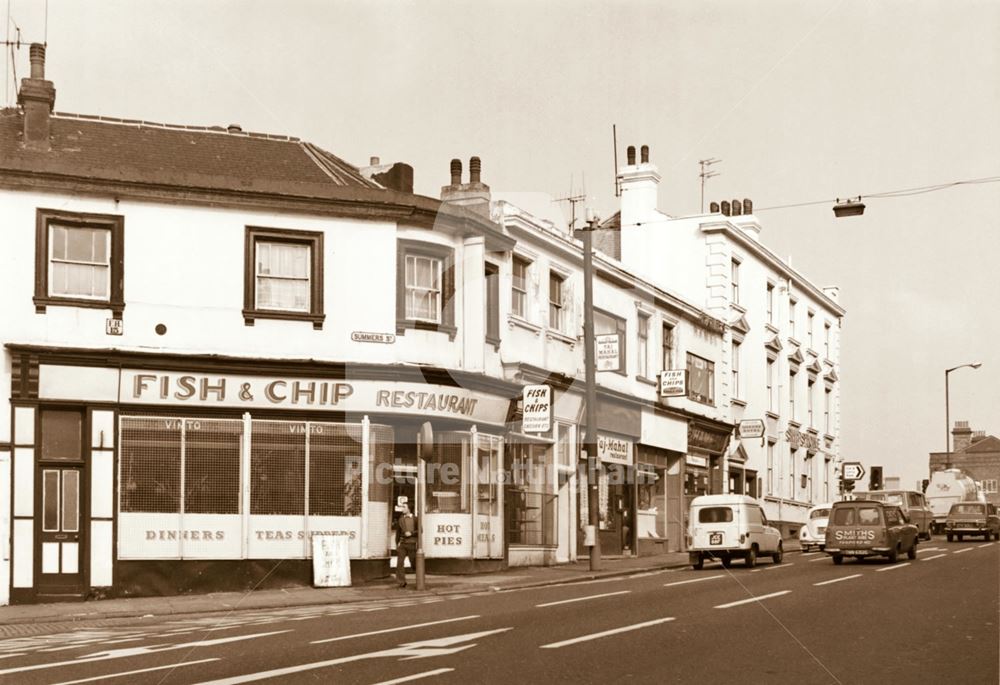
column 371, row 591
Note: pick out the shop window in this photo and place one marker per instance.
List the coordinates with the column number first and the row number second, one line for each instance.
column 79, row 260
column 382, row 446
column 425, row 287
column 487, row 470
column 701, row 379
column 157, row 451
column 283, row 275
column 531, row 504
column 652, row 501
column 447, row 479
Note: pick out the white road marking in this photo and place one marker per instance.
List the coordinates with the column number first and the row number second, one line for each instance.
column 411, row 650
column 820, row 559
column 141, row 670
column 605, row 633
column 894, row 566
column 936, row 556
column 837, row 580
column 752, row 599
column 417, row 676
column 138, row 651
column 581, row 599
column 987, row 544
column 694, row 580
column 967, row 549
column 809, row 554
column 395, row 630
column 774, row 566
column 930, row 549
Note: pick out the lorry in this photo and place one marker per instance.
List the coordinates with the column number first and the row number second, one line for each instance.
column 948, row 487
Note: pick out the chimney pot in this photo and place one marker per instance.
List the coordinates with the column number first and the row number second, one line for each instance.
column 373, row 161
column 474, row 168
column 456, row 172
column 725, row 208
column 234, row 128
column 747, row 205
column 630, row 155
column 737, row 208
column 36, row 54
column 713, row 207
column 644, row 154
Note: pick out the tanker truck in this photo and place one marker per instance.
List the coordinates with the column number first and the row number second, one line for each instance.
column 946, row 488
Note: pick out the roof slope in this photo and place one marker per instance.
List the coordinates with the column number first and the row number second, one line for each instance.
column 103, row 148
column 987, row 444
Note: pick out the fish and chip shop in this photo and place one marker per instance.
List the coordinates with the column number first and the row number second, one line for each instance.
column 136, row 481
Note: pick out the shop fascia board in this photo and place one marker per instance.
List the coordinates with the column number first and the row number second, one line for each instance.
column 263, row 366
column 351, row 203
column 772, row 260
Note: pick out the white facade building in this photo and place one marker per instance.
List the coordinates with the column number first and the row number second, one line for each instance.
column 780, row 358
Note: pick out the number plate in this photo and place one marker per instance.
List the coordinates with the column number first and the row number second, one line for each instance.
column 715, row 539
column 857, row 552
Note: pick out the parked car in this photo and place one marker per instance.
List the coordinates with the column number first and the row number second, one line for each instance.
column 863, row 528
column 813, row 533
column 725, row 527
column 972, row 518
column 913, row 503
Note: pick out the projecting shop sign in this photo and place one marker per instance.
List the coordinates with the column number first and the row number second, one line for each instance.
column 536, row 409
column 673, row 383
column 608, row 352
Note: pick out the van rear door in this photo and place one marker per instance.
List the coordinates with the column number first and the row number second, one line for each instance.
column 713, row 526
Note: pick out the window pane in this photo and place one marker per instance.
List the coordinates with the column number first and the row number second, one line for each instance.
column 50, row 500
column 57, row 239
column 334, row 469
column 212, row 466
column 80, row 245
column 61, row 435
column 277, row 468
column 71, row 501
column 150, row 465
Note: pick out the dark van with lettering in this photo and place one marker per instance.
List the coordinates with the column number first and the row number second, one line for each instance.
column 864, row 528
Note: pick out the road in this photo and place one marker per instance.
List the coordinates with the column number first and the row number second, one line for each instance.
column 931, row 620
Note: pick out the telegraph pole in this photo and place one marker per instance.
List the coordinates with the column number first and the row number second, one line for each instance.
column 590, row 369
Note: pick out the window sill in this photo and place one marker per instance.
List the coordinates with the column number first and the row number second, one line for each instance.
column 771, row 328
column 514, row 320
column 814, row 431
column 793, row 341
column 552, row 334
column 251, row 315
column 738, row 307
column 706, row 403
column 814, row 353
column 828, row 437
column 42, row 302
column 402, row 325
column 646, row 381
column 738, row 402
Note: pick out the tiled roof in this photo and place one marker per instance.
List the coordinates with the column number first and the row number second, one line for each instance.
column 987, row 444
column 214, row 158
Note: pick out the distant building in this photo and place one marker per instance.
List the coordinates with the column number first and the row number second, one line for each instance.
column 976, row 453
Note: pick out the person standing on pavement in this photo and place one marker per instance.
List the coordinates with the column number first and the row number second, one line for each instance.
column 406, row 543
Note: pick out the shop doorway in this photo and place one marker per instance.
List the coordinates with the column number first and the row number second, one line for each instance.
column 61, row 485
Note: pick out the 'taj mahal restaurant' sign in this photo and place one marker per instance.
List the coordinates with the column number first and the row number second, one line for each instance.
column 210, row 390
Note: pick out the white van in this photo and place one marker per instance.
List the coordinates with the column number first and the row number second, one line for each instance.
column 727, row 526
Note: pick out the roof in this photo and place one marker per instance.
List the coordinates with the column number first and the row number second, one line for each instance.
column 215, row 158
column 987, row 444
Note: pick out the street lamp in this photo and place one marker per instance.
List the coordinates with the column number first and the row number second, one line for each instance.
column 947, row 416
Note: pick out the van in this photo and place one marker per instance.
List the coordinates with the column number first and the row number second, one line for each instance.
column 913, row 503
column 863, row 528
column 725, row 527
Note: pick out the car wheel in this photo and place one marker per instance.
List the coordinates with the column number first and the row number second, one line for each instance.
column 698, row 564
column 727, row 560
column 751, row 558
column 779, row 555
column 893, row 554
column 912, row 552
column 960, row 537
column 838, row 559
column 951, row 537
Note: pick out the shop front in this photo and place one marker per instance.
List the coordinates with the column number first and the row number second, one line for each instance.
column 170, row 477
column 705, row 467
column 659, row 485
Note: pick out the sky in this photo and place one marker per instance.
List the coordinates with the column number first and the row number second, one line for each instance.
column 802, row 101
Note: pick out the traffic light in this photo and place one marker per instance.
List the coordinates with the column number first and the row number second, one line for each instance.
column 875, row 478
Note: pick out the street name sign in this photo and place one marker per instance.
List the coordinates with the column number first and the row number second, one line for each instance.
column 853, row 470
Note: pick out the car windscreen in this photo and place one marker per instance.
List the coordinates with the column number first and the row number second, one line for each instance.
column 967, row 509
column 856, row 516
column 820, row 514
column 715, row 515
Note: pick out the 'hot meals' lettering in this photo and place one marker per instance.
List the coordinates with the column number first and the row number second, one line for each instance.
column 426, row 401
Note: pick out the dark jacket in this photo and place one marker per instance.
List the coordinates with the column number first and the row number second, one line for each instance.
column 398, row 525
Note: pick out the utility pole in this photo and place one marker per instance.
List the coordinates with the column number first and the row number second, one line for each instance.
column 705, row 174
column 590, row 370
column 573, row 200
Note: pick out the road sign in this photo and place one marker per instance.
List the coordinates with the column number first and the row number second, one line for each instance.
column 853, row 470
column 751, row 428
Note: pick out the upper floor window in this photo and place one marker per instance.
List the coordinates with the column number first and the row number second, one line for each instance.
column 79, row 260
column 607, row 326
column 492, row 275
column 557, row 302
column 701, row 379
column 734, row 272
column 826, row 340
column 810, row 322
column 668, row 346
column 791, row 317
column 770, row 303
column 519, row 287
column 772, row 403
column 809, row 402
column 791, row 395
column 425, row 287
column 736, row 351
column 283, row 276
column 643, row 345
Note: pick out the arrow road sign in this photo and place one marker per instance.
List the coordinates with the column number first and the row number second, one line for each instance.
column 853, row 470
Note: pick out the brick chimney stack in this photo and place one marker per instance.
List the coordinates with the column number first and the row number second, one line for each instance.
column 961, row 436
column 474, row 195
column 37, row 98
